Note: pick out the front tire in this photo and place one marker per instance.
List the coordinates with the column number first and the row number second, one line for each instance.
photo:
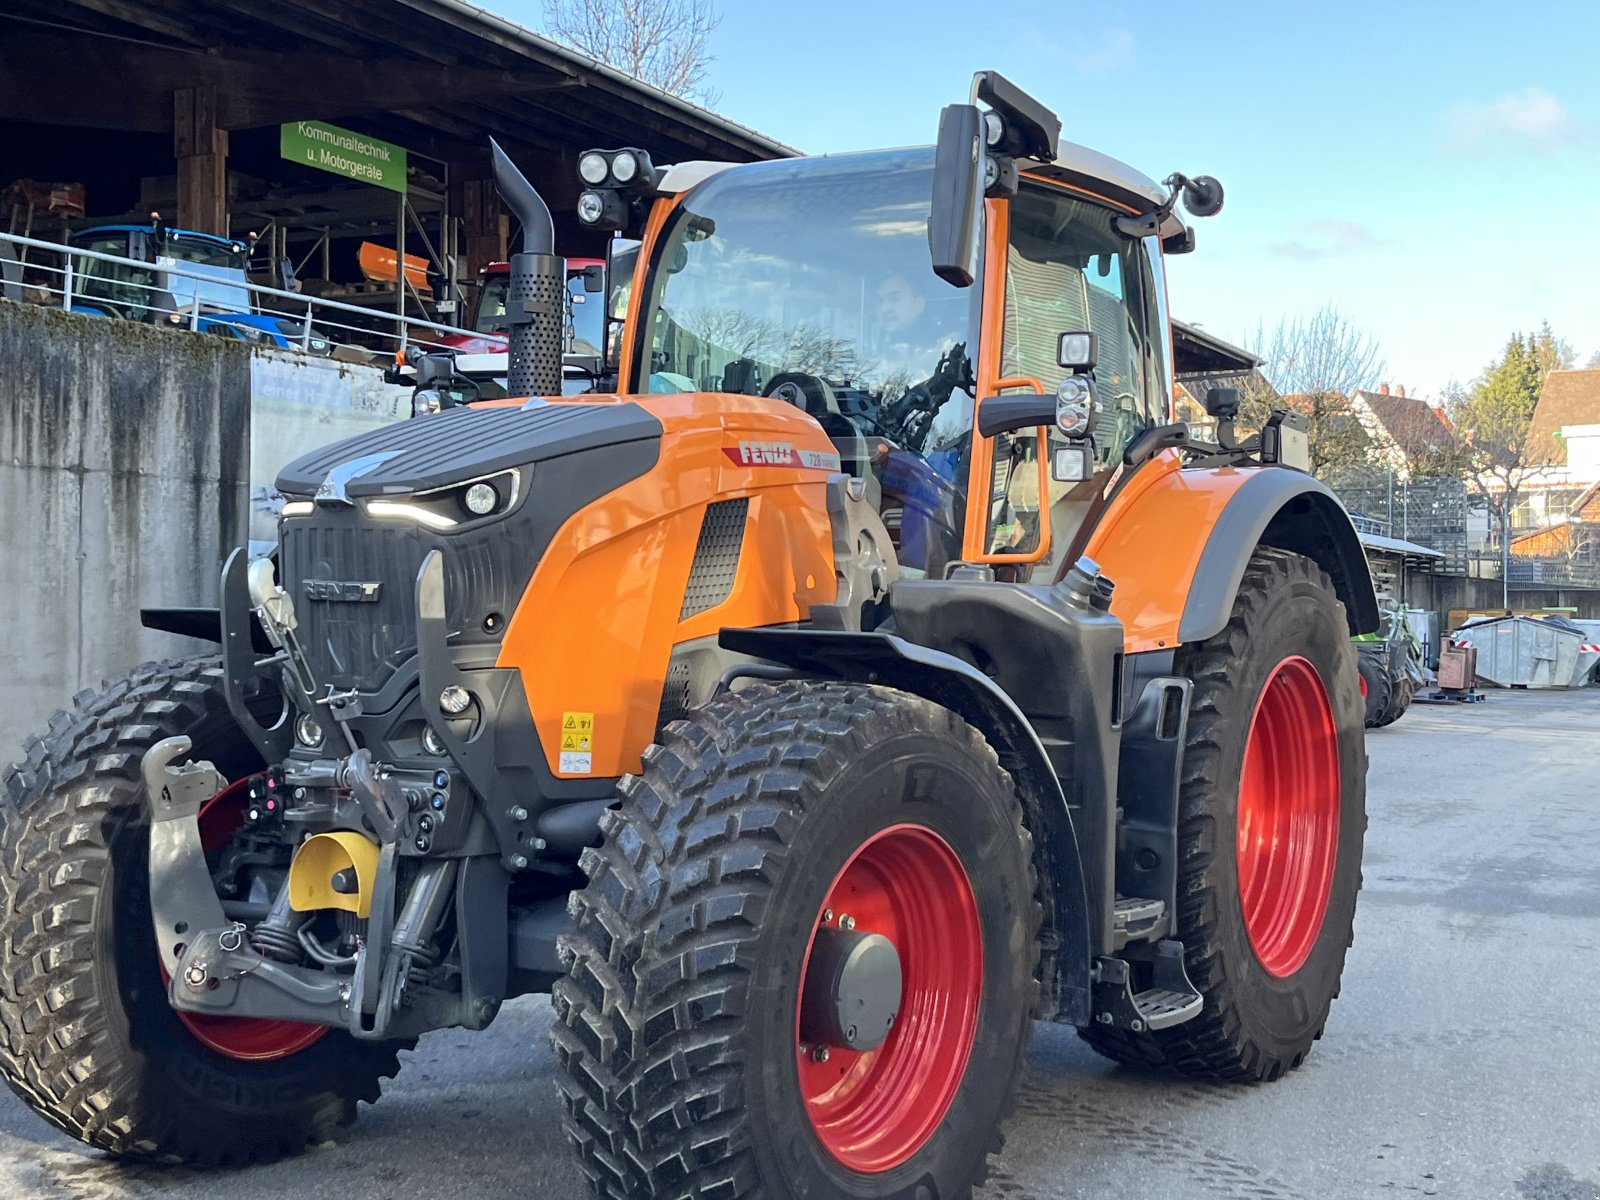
column 87, row 1038
column 1272, row 812
column 693, row 1065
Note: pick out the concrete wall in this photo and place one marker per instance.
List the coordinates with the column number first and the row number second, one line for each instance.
column 126, row 478
column 123, row 470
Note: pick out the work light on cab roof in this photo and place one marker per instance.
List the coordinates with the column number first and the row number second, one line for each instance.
column 615, row 181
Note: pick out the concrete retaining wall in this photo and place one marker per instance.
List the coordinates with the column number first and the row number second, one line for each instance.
column 126, row 478
column 124, row 465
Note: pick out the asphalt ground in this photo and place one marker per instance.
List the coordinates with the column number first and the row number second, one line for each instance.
column 1463, row 1059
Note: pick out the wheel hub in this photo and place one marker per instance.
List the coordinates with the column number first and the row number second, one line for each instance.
column 853, row 989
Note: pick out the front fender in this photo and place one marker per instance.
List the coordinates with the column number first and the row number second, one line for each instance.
column 882, row 658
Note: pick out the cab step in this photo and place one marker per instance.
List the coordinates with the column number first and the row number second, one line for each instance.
column 1169, row 1000
column 1134, row 919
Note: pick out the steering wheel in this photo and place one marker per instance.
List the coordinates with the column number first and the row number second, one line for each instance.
column 812, row 396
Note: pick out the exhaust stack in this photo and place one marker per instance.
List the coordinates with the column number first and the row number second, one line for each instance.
column 536, row 308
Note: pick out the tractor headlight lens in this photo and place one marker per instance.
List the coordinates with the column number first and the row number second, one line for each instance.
column 624, row 167
column 591, row 207
column 455, row 700
column 592, row 168
column 432, row 743
column 307, row 732
column 1074, row 406
column 481, row 499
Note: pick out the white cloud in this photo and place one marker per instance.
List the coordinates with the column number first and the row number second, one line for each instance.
column 1533, row 116
column 1327, row 239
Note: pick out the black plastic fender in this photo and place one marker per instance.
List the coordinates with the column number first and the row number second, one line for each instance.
column 882, row 658
column 1291, row 511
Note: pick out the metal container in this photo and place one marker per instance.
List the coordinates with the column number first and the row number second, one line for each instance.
column 1524, row 652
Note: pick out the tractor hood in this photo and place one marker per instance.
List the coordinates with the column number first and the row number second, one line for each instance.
column 460, row 444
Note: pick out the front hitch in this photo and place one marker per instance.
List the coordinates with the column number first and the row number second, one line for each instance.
column 210, row 961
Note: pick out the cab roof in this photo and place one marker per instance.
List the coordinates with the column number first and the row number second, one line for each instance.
column 1074, row 164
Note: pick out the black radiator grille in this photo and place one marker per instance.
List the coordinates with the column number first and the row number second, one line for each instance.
column 716, row 556
column 358, row 643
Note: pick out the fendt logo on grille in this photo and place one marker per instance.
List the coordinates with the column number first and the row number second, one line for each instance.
column 352, row 592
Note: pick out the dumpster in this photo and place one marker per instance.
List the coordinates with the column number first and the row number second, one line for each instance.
column 1530, row 652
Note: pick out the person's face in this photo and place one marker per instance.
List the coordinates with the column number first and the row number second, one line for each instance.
column 899, row 305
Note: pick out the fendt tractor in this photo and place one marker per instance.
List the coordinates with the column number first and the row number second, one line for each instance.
column 881, row 670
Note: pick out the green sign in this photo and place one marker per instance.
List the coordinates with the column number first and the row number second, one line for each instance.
column 353, row 155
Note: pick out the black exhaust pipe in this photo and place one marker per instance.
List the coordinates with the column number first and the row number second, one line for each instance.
column 536, row 308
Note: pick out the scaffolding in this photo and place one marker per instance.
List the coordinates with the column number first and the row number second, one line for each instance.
column 1431, row 512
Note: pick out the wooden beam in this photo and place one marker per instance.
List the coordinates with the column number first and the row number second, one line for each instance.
column 201, row 149
column 142, row 17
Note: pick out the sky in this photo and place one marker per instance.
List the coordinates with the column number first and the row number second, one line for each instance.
column 1425, row 168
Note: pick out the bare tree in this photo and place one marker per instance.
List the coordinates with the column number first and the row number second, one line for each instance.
column 1316, row 363
column 663, row 42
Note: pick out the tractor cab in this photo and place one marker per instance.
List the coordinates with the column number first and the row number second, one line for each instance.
column 189, row 279
column 810, row 282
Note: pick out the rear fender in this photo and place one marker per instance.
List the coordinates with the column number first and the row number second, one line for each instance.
column 882, row 658
column 1177, row 542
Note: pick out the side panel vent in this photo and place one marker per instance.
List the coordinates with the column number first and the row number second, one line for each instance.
column 716, row 556
column 674, row 693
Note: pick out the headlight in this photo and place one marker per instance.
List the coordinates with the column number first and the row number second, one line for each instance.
column 591, row 207
column 460, row 504
column 592, row 168
column 624, row 167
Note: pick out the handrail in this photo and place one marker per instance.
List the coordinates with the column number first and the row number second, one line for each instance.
column 299, row 299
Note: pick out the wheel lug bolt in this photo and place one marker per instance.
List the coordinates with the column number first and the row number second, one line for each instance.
column 820, row 1054
column 847, row 922
column 827, row 914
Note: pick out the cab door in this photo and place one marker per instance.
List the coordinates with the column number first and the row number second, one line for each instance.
column 1062, row 267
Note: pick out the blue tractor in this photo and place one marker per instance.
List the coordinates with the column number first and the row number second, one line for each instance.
column 212, row 294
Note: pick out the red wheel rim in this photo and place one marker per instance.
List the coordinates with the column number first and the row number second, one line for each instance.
column 1363, row 680
column 872, row 1110
column 1289, row 799
column 248, row 1039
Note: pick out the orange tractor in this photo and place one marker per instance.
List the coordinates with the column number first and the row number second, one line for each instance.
column 879, row 671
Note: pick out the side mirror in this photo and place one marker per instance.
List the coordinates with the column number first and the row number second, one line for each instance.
column 1202, row 196
column 594, row 278
column 957, row 212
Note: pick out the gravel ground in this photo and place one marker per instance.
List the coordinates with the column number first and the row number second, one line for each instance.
column 1456, row 1063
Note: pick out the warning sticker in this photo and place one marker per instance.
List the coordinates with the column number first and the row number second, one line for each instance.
column 577, row 743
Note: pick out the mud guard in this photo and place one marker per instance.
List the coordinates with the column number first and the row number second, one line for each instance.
column 1291, row 511
column 882, row 658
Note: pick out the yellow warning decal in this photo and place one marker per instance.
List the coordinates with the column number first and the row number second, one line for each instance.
column 577, row 731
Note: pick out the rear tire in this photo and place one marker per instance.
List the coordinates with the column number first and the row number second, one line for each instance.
column 1268, row 971
column 89, row 1041
column 678, row 1024
column 1399, row 701
column 1377, row 689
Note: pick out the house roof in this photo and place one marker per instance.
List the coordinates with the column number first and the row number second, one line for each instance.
column 1409, row 422
column 1569, row 398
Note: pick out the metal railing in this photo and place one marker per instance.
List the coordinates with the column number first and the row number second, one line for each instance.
column 71, row 277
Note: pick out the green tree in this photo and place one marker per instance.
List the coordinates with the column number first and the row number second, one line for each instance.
column 1492, row 418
